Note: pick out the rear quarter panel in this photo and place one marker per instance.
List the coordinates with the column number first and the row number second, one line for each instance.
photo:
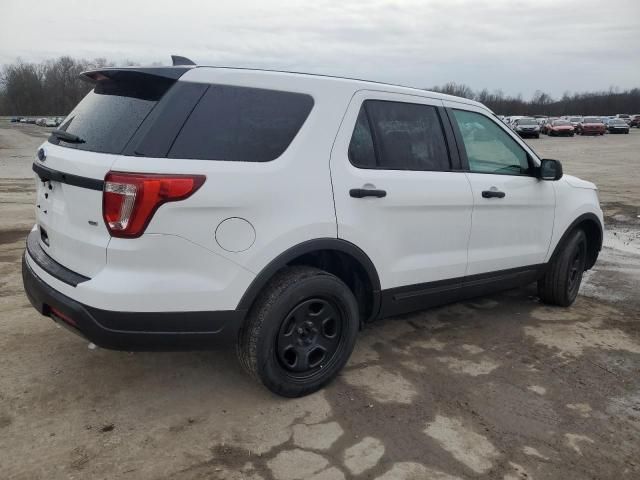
column 287, row 201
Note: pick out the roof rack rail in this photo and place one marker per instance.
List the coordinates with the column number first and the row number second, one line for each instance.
column 178, row 60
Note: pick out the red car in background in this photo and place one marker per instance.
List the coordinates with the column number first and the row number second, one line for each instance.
column 591, row 126
column 560, row 128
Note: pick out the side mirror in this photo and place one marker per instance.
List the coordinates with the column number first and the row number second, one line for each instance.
column 550, row 170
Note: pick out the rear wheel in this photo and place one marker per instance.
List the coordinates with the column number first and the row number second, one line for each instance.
column 300, row 332
column 561, row 282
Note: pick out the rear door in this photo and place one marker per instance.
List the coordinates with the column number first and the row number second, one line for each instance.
column 71, row 166
column 399, row 196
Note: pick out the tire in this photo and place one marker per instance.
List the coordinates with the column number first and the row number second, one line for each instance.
column 561, row 282
column 538, row 136
column 300, row 332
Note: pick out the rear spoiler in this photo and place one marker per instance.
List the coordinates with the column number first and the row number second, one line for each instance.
column 169, row 73
column 180, row 66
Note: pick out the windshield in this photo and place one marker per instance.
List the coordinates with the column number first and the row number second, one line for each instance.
column 575, row 119
column 617, row 122
column 592, row 120
column 527, row 121
column 560, row 123
column 108, row 116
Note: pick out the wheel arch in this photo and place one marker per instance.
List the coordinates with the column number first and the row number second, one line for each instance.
column 592, row 228
column 339, row 257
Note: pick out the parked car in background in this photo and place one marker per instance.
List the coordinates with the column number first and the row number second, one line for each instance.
column 573, row 120
column 15, row 119
column 559, row 128
column 51, row 122
column 624, row 116
column 41, row 121
column 513, row 119
column 635, row 121
column 617, row 125
column 527, row 127
column 591, row 126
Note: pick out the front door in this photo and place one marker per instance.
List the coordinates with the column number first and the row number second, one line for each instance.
column 513, row 210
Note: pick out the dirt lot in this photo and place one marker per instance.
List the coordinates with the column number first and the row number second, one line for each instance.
column 499, row 387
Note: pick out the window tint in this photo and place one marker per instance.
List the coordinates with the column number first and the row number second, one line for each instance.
column 109, row 115
column 361, row 151
column 489, row 148
column 242, row 124
column 407, row 136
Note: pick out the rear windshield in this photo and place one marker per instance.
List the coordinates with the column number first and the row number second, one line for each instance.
column 106, row 119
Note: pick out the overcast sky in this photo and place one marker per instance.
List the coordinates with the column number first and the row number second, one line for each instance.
column 516, row 46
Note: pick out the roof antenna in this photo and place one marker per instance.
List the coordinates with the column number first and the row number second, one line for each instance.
column 178, row 60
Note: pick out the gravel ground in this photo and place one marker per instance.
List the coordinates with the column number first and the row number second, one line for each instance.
column 500, row 387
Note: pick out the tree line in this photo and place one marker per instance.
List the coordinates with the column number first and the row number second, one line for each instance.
column 48, row 88
column 54, row 87
column 608, row 102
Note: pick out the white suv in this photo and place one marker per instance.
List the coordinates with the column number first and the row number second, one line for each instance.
column 184, row 207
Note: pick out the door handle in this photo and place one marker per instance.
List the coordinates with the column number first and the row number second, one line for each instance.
column 367, row 192
column 492, row 194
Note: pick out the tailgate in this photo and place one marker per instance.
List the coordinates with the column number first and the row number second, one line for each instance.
column 72, row 164
column 69, row 207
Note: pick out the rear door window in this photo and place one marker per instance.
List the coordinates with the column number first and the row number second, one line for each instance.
column 404, row 136
column 109, row 115
column 242, row 124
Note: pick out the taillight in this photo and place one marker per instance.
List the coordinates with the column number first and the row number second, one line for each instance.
column 129, row 200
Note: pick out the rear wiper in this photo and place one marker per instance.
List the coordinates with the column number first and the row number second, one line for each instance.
column 66, row 136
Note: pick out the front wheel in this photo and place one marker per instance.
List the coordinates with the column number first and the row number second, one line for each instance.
column 561, row 282
column 300, row 332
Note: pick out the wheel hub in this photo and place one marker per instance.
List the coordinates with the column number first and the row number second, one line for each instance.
column 309, row 336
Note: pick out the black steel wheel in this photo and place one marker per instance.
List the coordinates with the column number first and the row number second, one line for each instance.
column 561, row 282
column 300, row 332
column 309, row 337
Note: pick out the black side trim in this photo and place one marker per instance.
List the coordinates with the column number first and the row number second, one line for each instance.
column 46, row 174
column 308, row 247
column 452, row 146
column 133, row 330
column 49, row 265
column 459, row 142
column 410, row 298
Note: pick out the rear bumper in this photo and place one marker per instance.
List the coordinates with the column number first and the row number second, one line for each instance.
column 133, row 330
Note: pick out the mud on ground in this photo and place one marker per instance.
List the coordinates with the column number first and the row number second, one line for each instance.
column 500, row 387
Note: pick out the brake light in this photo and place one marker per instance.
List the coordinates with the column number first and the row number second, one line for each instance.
column 129, row 200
